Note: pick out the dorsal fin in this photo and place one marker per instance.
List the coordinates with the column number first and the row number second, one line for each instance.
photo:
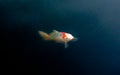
column 55, row 31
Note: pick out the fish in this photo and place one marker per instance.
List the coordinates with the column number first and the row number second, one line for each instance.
column 58, row 37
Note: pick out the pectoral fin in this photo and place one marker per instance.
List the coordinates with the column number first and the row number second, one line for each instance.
column 66, row 44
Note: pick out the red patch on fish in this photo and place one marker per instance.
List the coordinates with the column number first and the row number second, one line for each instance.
column 63, row 35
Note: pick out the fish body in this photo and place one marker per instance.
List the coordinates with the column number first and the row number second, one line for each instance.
column 59, row 37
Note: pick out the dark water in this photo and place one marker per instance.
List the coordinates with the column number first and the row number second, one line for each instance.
column 95, row 23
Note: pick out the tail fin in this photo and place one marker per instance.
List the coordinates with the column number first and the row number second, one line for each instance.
column 44, row 35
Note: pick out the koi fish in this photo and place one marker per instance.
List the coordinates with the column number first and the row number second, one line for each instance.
column 58, row 37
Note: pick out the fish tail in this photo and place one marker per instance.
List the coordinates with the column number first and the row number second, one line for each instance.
column 44, row 35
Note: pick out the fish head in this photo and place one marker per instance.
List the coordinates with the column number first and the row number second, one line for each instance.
column 70, row 37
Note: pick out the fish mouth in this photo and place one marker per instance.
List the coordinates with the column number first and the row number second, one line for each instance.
column 75, row 39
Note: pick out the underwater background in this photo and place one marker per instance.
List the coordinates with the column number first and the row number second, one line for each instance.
column 96, row 24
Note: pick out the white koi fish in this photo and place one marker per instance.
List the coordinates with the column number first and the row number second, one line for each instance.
column 59, row 37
